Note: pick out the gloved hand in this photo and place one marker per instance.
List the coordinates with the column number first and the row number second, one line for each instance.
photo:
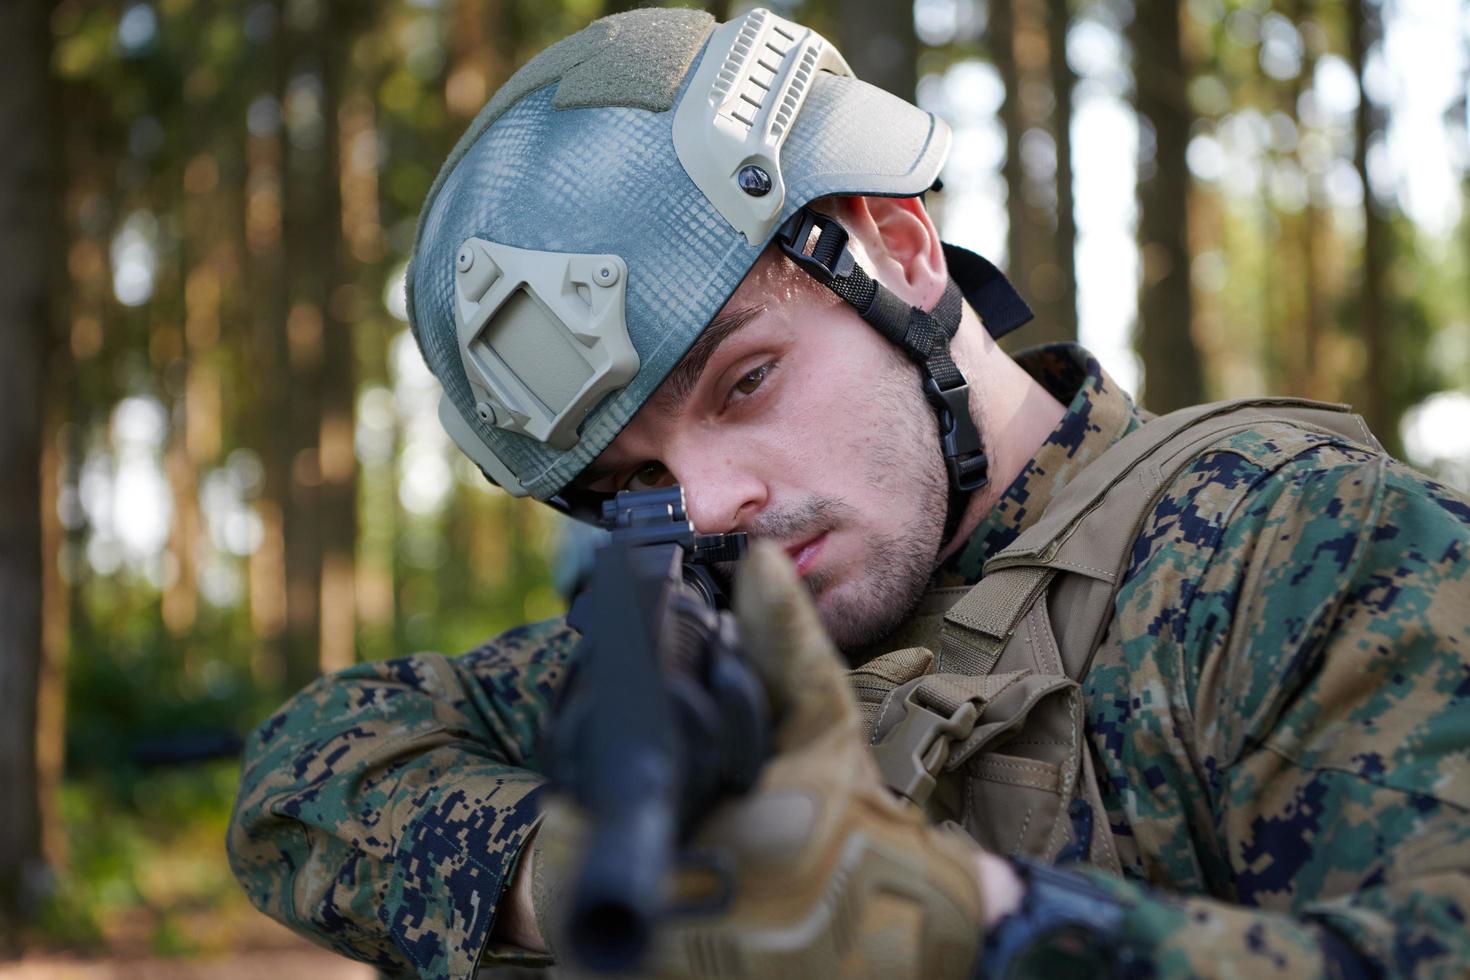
column 834, row 876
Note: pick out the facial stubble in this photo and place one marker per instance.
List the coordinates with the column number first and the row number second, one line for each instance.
column 901, row 457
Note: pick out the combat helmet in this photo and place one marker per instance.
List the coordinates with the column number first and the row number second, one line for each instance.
column 610, row 197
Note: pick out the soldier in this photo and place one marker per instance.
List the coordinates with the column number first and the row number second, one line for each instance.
column 1206, row 712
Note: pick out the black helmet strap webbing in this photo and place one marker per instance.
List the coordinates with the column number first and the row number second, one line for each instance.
column 988, row 291
column 818, row 244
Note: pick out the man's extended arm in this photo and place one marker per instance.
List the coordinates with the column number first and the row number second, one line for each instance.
column 383, row 809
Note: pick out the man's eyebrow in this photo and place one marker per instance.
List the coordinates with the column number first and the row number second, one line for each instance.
column 684, row 378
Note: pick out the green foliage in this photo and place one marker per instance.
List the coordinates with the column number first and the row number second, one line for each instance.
column 147, row 869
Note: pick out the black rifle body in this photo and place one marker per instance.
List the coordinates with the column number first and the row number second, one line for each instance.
column 663, row 717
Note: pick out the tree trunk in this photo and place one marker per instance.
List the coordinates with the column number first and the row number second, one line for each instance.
column 877, row 38
column 1003, row 54
column 1307, row 347
column 1040, row 226
column 270, row 429
column 1316, row 319
column 340, row 306
column 26, row 219
column 1173, row 375
column 1063, row 80
column 59, row 457
column 319, row 512
column 1377, row 376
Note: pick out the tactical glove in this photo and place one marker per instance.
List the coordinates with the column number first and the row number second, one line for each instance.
column 833, row 875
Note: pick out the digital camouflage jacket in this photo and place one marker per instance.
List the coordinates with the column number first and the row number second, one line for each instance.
column 1279, row 715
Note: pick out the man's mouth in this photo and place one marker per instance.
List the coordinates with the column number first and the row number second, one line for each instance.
column 804, row 553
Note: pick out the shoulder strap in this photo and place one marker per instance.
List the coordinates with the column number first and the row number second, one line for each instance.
column 1110, row 499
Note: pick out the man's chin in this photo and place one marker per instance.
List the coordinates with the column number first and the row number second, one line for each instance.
column 855, row 618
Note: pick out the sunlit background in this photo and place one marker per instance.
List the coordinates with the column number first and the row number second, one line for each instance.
column 246, row 484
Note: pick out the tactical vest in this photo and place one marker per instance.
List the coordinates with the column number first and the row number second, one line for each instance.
column 989, row 733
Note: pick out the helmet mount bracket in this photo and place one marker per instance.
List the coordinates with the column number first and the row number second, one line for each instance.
column 542, row 336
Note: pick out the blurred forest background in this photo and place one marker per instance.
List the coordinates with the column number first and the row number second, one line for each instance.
column 220, row 468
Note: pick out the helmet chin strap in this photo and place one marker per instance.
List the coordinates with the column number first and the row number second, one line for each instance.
column 819, row 245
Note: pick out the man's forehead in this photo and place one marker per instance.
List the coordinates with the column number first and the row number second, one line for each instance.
column 772, row 277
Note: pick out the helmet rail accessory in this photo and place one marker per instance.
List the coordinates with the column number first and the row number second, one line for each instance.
column 542, row 335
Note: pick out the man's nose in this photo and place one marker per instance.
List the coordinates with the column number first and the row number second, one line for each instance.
column 721, row 493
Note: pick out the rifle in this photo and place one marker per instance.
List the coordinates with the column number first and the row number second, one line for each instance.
column 662, row 718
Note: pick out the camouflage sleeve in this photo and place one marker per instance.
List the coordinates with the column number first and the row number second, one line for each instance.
column 381, row 811
column 1313, row 778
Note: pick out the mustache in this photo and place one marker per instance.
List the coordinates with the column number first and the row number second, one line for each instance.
column 799, row 522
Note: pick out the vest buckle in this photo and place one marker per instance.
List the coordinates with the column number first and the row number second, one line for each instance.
column 914, row 752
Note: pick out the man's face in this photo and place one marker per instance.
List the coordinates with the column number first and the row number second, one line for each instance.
column 793, row 420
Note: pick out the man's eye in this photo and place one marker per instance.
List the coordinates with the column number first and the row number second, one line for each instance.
column 647, row 476
column 748, row 384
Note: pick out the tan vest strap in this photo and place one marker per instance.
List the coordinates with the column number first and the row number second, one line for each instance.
column 978, row 626
column 1111, row 496
column 945, row 693
column 1109, row 499
column 915, row 749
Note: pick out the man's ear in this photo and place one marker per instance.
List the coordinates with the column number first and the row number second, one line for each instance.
column 900, row 244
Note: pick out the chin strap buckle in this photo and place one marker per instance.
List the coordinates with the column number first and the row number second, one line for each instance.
column 914, row 752
column 964, row 457
column 826, row 256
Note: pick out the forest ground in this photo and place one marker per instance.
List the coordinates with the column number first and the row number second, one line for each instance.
column 266, row 950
